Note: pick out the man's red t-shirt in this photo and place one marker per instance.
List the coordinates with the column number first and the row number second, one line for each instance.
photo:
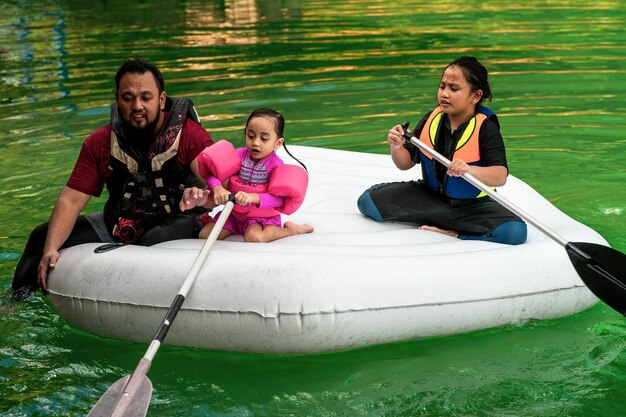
column 92, row 167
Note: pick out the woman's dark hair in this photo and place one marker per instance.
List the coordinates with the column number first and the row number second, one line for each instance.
column 138, row 65
column 475, row 74
column 279, row 126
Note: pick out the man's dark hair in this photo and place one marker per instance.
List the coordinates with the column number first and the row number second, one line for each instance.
column 138, row 65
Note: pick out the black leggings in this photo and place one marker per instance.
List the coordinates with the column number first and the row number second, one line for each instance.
column 179, row 226
column 413, row 202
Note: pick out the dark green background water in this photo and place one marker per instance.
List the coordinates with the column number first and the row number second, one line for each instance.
column 342, row 72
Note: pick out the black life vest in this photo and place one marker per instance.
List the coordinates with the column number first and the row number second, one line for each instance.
column 144, row 189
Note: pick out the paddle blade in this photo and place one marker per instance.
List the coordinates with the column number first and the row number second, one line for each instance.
column 603, row 270
column 124, row 399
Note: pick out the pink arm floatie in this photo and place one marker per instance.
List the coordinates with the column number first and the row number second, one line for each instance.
column 219, row 160
column 289, row 181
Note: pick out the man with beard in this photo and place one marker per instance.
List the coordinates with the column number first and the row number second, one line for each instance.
column 146, row 157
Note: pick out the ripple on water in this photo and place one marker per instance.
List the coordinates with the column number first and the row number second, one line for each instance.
column 9, row 256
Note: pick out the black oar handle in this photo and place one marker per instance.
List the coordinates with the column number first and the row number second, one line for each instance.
column 169, row 318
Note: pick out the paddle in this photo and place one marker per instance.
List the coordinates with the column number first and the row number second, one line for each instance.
column 602, row 269
column 130, row 395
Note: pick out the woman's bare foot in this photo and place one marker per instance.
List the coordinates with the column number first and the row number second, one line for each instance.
column 438, row 230
column 298, row 229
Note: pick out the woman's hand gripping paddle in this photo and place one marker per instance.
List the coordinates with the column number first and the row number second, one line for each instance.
column 130, row 395
column 602, row 269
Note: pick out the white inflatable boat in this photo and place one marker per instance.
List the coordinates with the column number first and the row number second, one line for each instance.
column 352, row 283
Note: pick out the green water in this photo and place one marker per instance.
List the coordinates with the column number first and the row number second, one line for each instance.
column 342, row 72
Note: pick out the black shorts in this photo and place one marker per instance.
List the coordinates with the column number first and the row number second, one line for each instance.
column 413, row 202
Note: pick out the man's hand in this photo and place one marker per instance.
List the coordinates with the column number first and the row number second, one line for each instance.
column 66, row 210
column 193, row 197
column 48, row 262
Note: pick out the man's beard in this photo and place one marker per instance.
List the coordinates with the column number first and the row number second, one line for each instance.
column 141, row 137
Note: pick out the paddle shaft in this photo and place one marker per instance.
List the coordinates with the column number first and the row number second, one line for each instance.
column 136, row 378
column 491, row 193
column 191, row 279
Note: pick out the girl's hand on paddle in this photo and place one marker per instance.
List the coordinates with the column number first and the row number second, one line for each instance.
column 395, row 138
column 220, row 195
column 48, row 262
column 246, row 198
column 457, row 168
column 193, row 197
column 399, row 154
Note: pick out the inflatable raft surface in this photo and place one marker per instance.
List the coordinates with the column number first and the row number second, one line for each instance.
column 352, row 283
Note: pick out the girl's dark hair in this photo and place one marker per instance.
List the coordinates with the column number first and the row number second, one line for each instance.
column 138, row 65
column 475, row 74
column 279, row 120
column 279, row 126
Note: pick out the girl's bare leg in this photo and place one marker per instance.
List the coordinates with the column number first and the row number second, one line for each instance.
column 206, row 231
column 256, row 233
column 438, row 230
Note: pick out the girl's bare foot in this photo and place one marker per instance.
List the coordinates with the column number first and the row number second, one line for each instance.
column 298, row 229
column 438, row 230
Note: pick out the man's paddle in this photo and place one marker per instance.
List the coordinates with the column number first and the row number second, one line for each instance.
column 602, row 269
column 130, row 395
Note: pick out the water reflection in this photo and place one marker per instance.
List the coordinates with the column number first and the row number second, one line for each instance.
column 33, row 60
column 239, row 15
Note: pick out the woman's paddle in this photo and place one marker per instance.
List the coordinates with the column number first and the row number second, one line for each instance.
column 602, row 269
column 130, row 395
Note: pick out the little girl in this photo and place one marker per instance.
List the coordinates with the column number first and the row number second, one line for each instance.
column 262, row 184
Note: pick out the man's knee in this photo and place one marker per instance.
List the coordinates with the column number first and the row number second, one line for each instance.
column 178, row 227
column 38, row 234
column 25, row 276
column 27, row 268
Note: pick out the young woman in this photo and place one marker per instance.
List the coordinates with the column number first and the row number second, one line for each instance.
column 466, row 133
